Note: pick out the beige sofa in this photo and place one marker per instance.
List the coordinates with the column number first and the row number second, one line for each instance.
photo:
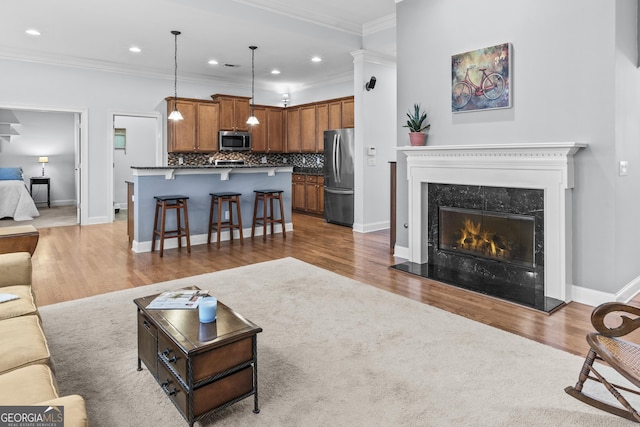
column 26, row 377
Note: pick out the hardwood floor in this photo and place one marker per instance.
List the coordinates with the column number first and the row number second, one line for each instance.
column 74, row 262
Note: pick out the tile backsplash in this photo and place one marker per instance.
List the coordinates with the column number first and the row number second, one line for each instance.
column 306, row 160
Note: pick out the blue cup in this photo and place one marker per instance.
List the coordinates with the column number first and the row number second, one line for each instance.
column 207, row 309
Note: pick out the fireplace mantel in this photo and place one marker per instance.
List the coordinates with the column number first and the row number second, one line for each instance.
column 547, row 166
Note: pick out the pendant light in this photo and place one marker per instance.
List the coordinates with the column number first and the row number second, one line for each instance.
column 252, row 120
column 175, row 114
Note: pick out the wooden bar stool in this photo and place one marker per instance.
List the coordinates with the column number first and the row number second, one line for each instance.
column 217, row 223
column 268, row 218
column 163, row 204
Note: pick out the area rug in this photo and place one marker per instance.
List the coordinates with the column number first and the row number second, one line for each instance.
column 333, row 352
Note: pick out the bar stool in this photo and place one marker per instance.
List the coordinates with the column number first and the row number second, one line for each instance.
column 268, row 217
column 218, row 223
column 163, row 204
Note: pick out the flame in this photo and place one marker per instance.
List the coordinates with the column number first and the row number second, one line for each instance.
column 473, row 238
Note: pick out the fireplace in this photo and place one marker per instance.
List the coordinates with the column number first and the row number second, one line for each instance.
column 491, row 235
column 494, row 219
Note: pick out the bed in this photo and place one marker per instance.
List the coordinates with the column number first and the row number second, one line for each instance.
column 15, row 199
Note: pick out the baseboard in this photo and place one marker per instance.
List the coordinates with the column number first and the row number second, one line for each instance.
column 371, row 227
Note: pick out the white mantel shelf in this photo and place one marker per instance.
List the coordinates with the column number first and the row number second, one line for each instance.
column 545, row 165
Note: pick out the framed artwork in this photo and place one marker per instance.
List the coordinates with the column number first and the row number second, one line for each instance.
column 481, row 79
column 120, row 138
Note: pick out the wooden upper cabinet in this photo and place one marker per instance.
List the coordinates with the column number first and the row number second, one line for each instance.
column 234, row 111
column 335, row 115
column 308, row 129
column 197, row 131
column 293, row 129
column 275, row 134
column 322, row 124
column 259, row 132
column 207, row 126
column 348, row 120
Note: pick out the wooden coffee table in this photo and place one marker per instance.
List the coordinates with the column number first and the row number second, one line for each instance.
column 202, row 367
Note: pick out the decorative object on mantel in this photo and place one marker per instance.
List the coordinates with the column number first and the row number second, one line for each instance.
column 416, row 125
column 488, row 85
column 175, row 114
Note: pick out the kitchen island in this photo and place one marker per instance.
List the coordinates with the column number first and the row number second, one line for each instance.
column 196, row 182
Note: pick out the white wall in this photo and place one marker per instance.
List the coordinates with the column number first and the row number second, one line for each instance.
column 375, row 124
column 48, row 134
column 141, row 144
column 572, row 68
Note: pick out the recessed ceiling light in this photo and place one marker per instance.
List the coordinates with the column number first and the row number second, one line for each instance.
column 135, row 49
column 33, row 32
column 213, row 62
column 275, row 71
column 316, row 59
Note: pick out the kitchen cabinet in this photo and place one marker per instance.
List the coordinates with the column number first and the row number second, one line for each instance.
column 234, row 111
column 293, row 129
column 307, row 193
column 259, row 137
column 308, row 129
column 197, row 132
column 322, row 124
column 306, row 123
column 275, row 130
column 348, row 119
column 298, row 191
column 335, row 115
column 267, row 137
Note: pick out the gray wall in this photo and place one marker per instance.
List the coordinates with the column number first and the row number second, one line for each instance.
column 48, row 134
column 574, row 79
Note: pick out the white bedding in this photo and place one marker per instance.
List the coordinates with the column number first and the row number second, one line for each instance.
column 16, row 202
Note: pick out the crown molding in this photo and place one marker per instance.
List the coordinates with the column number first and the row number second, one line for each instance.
column 380, row 24
column 364, row 55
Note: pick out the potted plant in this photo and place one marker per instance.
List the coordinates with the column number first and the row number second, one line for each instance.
column 417, row 125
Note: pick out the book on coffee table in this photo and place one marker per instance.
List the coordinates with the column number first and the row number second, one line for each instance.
column 180, row 299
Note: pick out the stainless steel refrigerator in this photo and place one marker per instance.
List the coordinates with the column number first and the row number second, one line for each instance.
column 338, row 176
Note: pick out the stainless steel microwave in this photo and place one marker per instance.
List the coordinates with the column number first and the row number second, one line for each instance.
column 234, row 141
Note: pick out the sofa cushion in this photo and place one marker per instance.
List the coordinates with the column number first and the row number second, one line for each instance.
column 23, row 343
column 75, row 411
column 15, row 269
column 25, row 304
column 27, row 386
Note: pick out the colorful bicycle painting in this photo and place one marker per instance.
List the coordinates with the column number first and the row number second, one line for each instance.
column 480, row 79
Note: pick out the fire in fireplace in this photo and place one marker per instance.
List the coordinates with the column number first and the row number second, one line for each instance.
column 492, row 235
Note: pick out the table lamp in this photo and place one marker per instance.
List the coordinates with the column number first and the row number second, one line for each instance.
column 43, row 160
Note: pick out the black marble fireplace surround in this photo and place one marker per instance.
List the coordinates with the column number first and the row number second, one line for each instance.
column 518, row 282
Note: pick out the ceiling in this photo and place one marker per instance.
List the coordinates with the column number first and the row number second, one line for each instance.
column 98, row 35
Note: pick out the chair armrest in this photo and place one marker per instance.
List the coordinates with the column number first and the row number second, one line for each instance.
column 626, row 325
column 15, row 269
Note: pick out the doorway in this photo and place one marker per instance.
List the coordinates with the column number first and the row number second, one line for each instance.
column 137, row 141
column 58, row 136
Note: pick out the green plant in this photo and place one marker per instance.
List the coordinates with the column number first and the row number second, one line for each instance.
column 416, row 120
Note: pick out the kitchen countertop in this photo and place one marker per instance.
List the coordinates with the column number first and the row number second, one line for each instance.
column 279, row 165
column 307, row 171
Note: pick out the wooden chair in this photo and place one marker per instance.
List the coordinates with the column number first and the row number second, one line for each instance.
column 621, row 355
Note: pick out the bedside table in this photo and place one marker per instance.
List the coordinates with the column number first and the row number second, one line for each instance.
column 41, row 180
